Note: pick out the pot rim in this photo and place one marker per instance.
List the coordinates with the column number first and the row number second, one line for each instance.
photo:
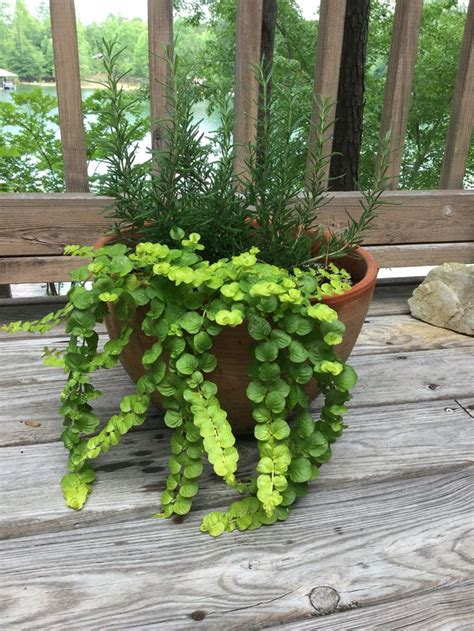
column 363, row 285
column 367, row 282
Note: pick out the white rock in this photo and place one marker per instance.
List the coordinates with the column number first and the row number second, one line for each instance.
column 446, row 298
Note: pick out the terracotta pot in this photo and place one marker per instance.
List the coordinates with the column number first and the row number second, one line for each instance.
column 232, row 346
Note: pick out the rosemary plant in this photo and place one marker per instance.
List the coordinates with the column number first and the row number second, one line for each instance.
column 190, row 182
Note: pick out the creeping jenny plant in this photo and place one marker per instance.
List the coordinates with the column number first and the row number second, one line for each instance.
column 189, row 301
column 262, row 263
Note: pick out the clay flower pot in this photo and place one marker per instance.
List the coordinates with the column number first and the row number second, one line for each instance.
column 232, row 346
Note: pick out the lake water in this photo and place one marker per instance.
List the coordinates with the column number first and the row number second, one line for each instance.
column 207, row 124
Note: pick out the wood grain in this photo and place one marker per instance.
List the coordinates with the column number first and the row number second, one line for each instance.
column 388, row 300
column 33, row 224
column 392, row 345
column 38, row 269
column 461, row 124
column 422, row 254
column 398, row 87
column 160, row 44
column 391, row 443
column 332, row 14
column 247, row 55
column 449, row 608
column 68, row 84
column 373, row 542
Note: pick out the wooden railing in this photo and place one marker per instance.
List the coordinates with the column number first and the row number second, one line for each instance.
column 424, row 227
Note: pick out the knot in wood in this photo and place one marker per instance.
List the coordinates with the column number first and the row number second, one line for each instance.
column 324, row 599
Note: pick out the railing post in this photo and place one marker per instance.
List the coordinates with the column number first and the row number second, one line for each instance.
column 68, row 82
column 247, row 54
column 401, row 66
column 462, row 112
column 326, row 74
column 160, row 43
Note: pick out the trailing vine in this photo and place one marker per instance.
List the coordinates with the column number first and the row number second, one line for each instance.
column 188, row 301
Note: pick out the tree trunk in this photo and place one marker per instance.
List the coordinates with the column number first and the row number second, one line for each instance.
column 350, row 99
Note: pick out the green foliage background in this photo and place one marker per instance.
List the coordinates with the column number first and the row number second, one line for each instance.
column 205, row 32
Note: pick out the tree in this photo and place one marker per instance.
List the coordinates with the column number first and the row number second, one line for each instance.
column 344, row 169
column 22, row 48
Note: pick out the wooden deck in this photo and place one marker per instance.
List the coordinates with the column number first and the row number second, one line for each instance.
column 382, row 541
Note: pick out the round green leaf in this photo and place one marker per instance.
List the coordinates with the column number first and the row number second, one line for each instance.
column 297, row 352
column 266, row 351
column 281, row 339
column 300, row 470
column 189, row 489
column 269, row 371
column 347, row 379
column 259, row 328
column 187, row 364
column 193, row 469
column 256, row 391
column 207, row 362
column 191, row 322
column 202, row 342
column 173, row 418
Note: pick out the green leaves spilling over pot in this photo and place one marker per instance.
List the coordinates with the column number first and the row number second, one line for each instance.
column 187, row 302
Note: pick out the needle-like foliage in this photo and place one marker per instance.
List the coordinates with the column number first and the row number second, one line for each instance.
column 189, row 183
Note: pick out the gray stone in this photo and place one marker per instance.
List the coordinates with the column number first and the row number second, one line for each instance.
column 446, row 298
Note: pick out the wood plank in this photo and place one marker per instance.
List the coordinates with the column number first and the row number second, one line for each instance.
column 43, row 223
column 377, row 542
column 33, row 224
column 404, row 334
column 38, row 269
column 445, row 609
column 411, row 377
column 398, row 86
column 467, row 405
column 160, row 45
column 391, row 300
column 12, row 309
column 389, row 374
column 388, row 300
column 461, row 123
column 379, row 445
column 332, row 15
column 422, row 254
column 247, row 55
column 68, row 83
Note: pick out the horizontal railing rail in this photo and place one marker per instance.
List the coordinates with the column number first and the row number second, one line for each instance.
column 421, row 227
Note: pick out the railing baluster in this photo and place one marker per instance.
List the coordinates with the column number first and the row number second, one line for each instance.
column 462, row 112
column 248, row 41
column 160, row 42
column 68, row 82
column 398, row 87
column 326, row 73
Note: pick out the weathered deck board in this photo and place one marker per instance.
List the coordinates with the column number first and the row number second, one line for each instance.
column 445, row 609
column 369, row 543
column 388, row 300
column 33, row 389
column 385, row 528
column 130, row 477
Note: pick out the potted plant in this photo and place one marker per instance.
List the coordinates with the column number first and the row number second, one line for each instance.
column 225, row 302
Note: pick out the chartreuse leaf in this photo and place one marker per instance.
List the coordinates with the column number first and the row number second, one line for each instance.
column 77, row 486
column 182, row 301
